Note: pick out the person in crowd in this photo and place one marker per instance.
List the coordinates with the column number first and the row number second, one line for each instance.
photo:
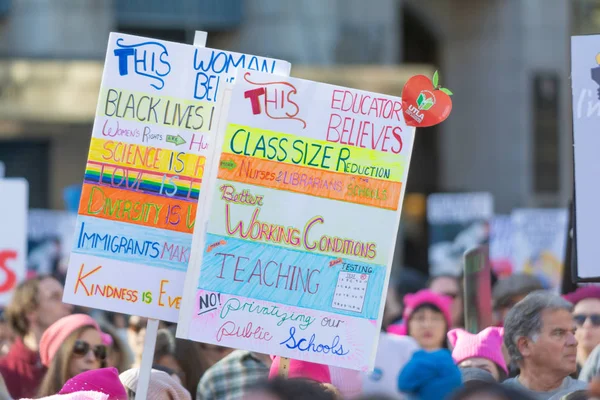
column 6, row 335
column 195, row 358
column 474, row 376
column 297, row 369
column 427, row 318
column 87, row 395
column 119, row 321
column 213, row 353
column 36, row 304
column 161, row 386
column 233, row 376
column 509, row 291
column 136, row 333
column 587, row 317
column 135, row 337
column 539, row 333
column 4, row 395
column 72, row 345
column 489, row 391
column 288, row 389
column 100, row 384
column 408, row 281
column 594, row 387
column 165, row 355
column 430, row 375
column 119, row 354
column 168, row 371
column 591, row 368
column 577, row 395
column 103, row 380
column 483, row 350
column 450, row 286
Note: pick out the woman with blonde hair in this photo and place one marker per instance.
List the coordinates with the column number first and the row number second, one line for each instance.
column 72, row 345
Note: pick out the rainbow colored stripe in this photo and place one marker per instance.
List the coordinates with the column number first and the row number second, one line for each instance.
column 142, row 181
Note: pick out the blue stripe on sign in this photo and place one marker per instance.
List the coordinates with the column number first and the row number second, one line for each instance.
column 296, row 278
column 132, row 243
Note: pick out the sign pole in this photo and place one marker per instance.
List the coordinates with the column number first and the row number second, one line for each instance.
column 477, row 289
column 284, row 367
column 147, row 359
column 200, row 38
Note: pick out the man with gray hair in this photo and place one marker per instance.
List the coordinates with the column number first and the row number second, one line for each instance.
column 539, row 335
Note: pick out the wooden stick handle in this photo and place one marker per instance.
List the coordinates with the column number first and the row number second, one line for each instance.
column 284, row 367
column 141, row 391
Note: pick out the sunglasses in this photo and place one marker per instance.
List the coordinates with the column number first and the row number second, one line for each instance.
column 82, row 348
column 581, row 318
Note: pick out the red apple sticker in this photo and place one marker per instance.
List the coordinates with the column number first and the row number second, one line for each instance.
column 425, row 103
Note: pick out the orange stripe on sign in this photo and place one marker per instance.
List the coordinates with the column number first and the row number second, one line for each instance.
column 137, row 208
column 311, row 181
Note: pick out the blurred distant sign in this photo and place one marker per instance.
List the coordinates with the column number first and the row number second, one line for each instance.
column 539, row 243
column 501, row 245
column 585, row 83
column 2, row 170
column 50, row 235
column 13, row 235
column 457, row 223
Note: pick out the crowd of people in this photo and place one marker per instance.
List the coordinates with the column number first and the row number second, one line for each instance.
column 542, row 346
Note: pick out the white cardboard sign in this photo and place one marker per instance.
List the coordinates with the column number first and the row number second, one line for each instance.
column 14, row 199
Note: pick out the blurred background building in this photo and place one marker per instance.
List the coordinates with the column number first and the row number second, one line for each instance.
column 507, row 62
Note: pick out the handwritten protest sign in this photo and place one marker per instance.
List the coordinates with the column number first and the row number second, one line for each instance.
column 142, row 180
column 585, row 84
column 302, row 221
column 457, row 222
column 539, row 243
column 14, row 198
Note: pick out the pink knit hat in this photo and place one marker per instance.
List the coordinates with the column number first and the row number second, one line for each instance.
column 59, row 331
column 586, row 292
column 486, row 344
column 88, row 395
column 104, row 380
column 414, row 301
column 302, row 369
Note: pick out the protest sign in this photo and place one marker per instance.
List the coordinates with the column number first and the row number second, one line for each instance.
column 393, row 353
column 585, row 83
column 540, row 242
column 501, row 245
column 301, row 222
column 49, row 239
column 457, row 223
column 149, row 145
column 14, row 198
